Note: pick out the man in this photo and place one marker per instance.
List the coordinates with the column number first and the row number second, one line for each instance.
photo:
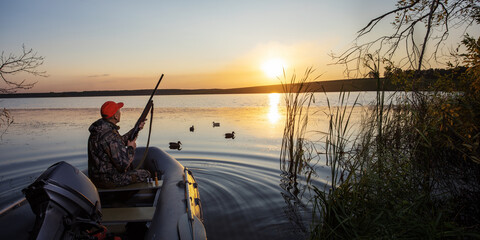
column 110, row 154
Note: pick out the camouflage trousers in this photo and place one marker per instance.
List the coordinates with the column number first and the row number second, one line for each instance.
column 121, row 179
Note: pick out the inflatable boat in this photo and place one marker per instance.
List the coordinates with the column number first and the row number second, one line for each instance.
column 64, row 204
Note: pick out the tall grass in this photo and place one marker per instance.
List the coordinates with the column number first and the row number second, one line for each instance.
column 298, row 98
column 394, row 178
column 5, row 121
column 297, row 155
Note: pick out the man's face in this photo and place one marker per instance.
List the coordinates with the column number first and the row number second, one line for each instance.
column 117, row 115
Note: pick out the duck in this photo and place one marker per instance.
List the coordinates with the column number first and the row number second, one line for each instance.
column 216, row 124
column 192, row 128
column 230, row 135
column 175, row 145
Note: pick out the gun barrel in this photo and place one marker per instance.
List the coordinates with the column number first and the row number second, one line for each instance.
column 144, row 114
column 155, row 89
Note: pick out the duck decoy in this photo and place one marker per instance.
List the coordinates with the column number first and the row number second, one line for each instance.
column 230, row 135
column 192, row 128
column 175, row 145
column 216, row 124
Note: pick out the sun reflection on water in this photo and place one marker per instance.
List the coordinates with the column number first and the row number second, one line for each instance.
column 273, row 113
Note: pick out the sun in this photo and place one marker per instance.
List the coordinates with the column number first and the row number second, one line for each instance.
column 274, row 67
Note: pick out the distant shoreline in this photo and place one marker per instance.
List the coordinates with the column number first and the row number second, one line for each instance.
column 363, row 84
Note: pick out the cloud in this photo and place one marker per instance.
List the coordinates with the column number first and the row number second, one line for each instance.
column 99, row 75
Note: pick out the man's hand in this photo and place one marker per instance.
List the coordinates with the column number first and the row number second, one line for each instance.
column 140, row 126
column 132, row 143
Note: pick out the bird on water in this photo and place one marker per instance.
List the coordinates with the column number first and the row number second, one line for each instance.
column 175, row 145
column 230, row 135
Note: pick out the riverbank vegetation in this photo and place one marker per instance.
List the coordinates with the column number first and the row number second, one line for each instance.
column 411, row 170
column 411, row 173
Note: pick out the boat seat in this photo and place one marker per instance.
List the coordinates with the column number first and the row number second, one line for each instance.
column 127, row 214
column 130, row 214
column 132, row 187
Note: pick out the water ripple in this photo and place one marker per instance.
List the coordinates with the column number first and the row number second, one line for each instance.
column 244, row 200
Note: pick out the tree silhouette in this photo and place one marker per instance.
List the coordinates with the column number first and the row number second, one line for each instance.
column 10, row 64
column 416, row 25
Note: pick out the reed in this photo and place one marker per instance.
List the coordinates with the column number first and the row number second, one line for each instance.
column 6, row 119
column 298, row 97
column 297, row 156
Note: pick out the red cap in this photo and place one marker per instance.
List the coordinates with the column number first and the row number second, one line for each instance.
column 109, row 108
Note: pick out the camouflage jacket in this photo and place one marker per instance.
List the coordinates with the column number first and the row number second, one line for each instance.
column 108, row 155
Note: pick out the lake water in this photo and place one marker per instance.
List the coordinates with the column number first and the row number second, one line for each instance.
column 244, row 192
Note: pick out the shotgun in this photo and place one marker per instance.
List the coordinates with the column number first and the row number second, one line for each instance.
column 142, row 118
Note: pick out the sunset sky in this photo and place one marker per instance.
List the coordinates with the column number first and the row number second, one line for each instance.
column 109, row 45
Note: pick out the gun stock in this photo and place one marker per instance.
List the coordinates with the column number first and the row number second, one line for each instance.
column 144, row 114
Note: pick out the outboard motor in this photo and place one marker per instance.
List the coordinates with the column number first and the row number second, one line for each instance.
column 66, row 204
